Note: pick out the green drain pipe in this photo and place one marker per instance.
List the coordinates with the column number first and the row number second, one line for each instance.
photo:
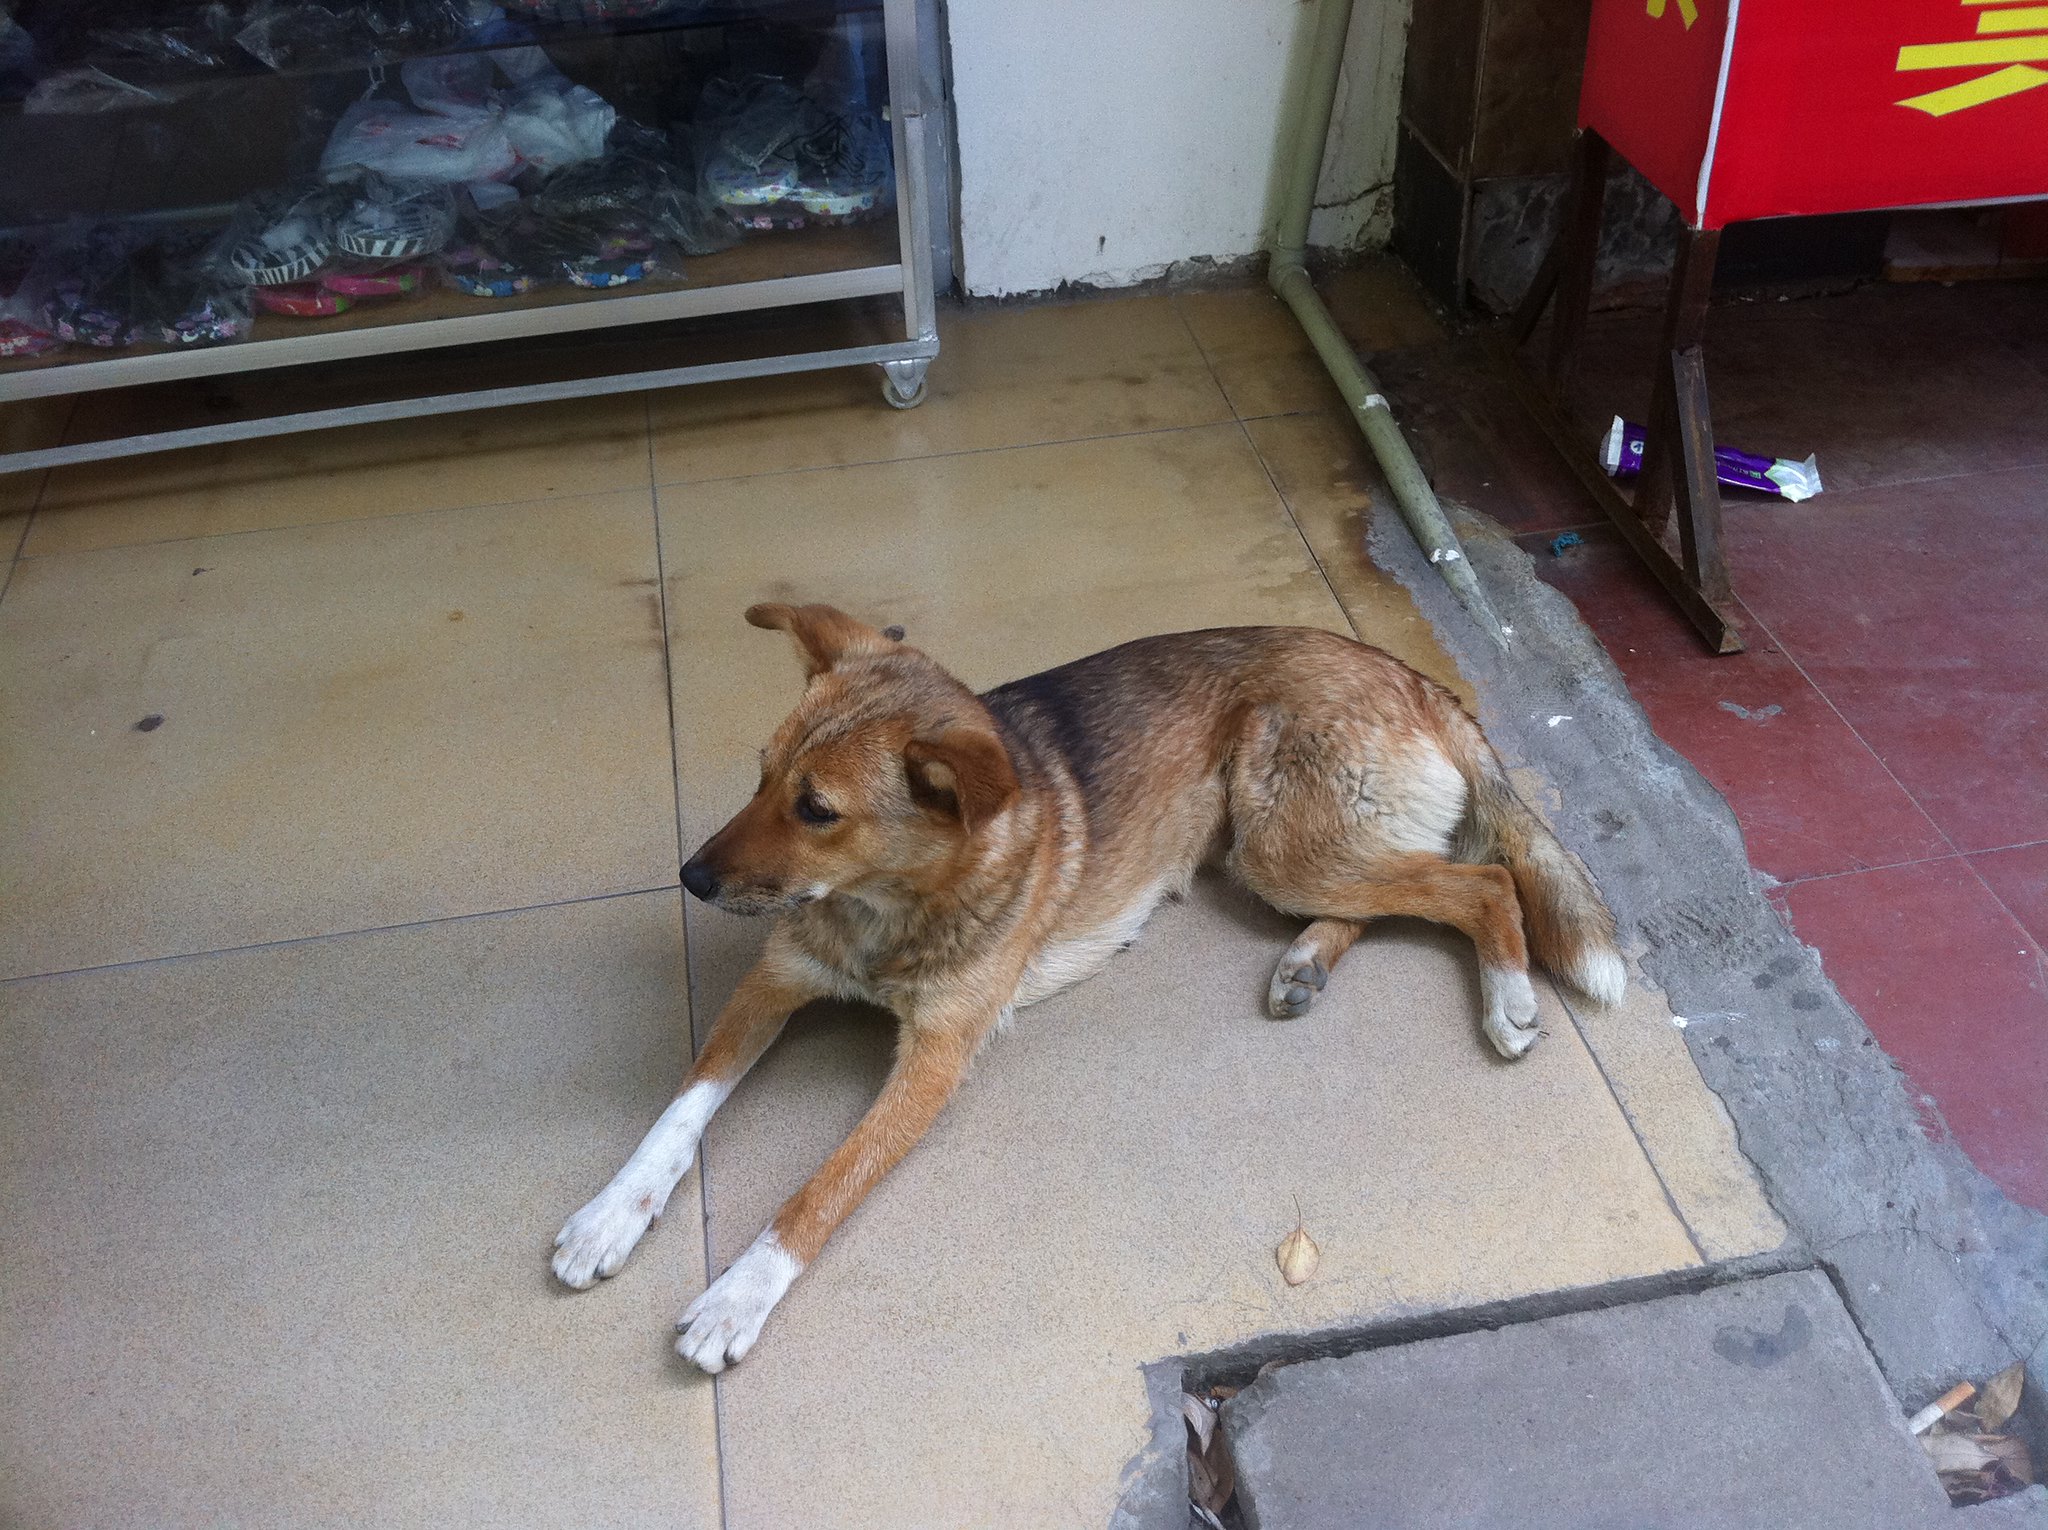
column 1288, row 274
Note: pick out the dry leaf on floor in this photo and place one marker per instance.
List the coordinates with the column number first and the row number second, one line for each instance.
column 1297, row 1254
column 1201, row 1422
column 1966, row 1488
column 2001, row 1395
column 2012, row 1454
column 1956, row 1452
column 1974, row 1461
column 1963, row 1440
column 1212, row 1477
column 1205, row 1488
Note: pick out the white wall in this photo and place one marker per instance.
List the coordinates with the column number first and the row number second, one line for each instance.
column 1102, row 141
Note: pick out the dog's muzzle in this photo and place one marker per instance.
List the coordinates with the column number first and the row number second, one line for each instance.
column 700, row 881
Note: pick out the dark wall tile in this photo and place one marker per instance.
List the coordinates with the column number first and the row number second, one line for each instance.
column 1533, row 54
column 1440, row 89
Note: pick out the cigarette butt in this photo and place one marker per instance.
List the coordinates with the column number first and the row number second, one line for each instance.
column 1942, row 1407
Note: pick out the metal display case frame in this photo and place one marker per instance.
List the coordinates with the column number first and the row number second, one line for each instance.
column 903, row 363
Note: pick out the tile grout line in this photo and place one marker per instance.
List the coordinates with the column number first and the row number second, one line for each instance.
column 2040, row 959
column 683, row 916
column 667, row 661
column 1287, row 414
column 1854, row 732
column 344, row 520
column 965, row 451
column 547, row 499
column 2031, row 466
column 304, row 940
column 1921, row 860
column 2040, row 963
column 1571, row 1013
column 1814, row 685
column 35, row 505
column 2032, row 946
column 14, row 559
column 1209, row 365
column 2022, row 844
column 1315, row 560
column 1857, row 871
column 1557, row 531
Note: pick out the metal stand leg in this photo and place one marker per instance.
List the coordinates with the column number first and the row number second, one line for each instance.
column 1678, row 468
column 1578, row 246
column 903, row 382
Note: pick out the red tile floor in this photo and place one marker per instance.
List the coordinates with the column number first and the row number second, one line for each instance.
column 1884, row 740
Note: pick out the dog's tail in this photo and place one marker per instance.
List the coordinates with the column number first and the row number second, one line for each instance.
column 1570, row 931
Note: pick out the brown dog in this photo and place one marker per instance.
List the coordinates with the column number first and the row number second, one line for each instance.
column 954, row 857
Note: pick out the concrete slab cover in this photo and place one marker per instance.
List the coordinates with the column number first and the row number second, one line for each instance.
column 1748, row 1405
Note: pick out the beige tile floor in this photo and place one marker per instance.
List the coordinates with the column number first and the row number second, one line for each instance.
column 331, row 994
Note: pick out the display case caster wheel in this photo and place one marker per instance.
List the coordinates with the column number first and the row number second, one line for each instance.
column 903, row 382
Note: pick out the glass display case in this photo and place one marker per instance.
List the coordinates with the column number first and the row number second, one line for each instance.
column 189, row 190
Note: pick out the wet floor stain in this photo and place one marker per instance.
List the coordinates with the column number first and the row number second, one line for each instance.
column 1759, row 1350
column 1755, row 715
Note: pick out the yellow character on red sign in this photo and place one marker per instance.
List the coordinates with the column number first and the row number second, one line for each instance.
column 2013, row 35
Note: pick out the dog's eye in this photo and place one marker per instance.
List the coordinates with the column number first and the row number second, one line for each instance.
column 812, row 811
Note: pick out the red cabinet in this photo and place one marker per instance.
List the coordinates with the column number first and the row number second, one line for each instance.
column 1741, row 109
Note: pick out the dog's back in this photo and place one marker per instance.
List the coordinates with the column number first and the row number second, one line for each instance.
column 1315, row 761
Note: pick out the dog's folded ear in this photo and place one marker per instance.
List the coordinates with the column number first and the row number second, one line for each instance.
column 965, row 772
column 824, row 634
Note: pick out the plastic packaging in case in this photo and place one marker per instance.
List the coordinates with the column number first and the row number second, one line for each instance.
column 302, row 300
column 24, row 325
column 383, row 281
column 283, row 237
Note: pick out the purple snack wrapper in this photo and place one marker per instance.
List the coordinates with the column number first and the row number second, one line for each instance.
column 1621, row 454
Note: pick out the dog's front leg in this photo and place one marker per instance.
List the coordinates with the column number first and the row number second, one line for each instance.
column 596, row 1240
column 932, row 1054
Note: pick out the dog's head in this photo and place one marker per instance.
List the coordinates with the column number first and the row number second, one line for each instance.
column 879, row 780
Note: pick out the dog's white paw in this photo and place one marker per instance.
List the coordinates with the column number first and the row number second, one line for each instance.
column 1297, row 980
column 1510, row 1019
column 719, row 1327
column 594, row 1243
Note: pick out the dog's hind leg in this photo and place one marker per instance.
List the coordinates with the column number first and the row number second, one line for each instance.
column 932, row 1055
column 1306, row 965
column 1480, row 900
column 595, row 1241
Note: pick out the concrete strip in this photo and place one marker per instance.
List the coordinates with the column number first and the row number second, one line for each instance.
column 1751, row 1404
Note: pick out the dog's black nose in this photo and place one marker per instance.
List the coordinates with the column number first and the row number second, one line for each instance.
column 700, row 880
